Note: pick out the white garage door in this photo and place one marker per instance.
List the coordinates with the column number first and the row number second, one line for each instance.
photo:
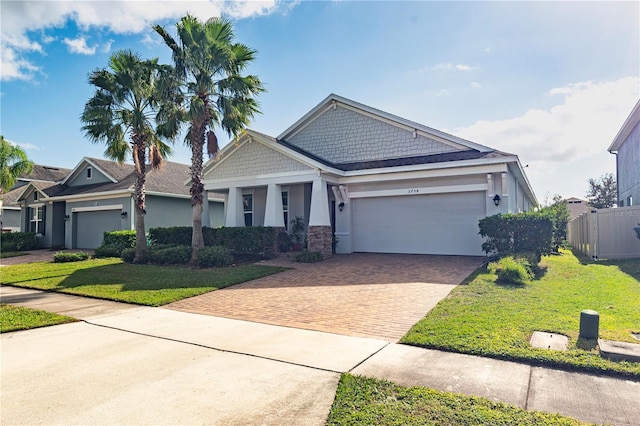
column 91, row 226
column 421, row 224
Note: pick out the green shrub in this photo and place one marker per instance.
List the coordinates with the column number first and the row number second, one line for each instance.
column 558, row 213
column 285, row 242
column 510, row 270
column 531, row 262
column 177, row 235
column 128, row 255
column 18, row 241
column 62, row 257
column 114, row 242
column 309, row 257
column 178, row 255
column 110, row 250
column 209, row 257
column 252, row 242
column 516, row 233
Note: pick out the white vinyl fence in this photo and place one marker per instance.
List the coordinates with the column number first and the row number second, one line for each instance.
column 606, row 233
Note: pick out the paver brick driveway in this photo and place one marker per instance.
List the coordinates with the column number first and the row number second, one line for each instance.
column 366, row 295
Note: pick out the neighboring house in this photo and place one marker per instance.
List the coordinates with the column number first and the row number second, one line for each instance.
column 576, row 206
column 375, row 181
column 626, row 147
column 10, row 216
column 97, row 196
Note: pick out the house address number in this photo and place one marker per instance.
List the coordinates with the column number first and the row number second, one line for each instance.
column 414, row 191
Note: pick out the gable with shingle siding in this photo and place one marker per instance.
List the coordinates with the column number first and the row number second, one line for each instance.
column 341, row 135
column 254, row 159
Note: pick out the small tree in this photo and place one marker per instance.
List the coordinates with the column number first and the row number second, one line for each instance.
column 13, row 163
column 602, row 192
column 558, row 212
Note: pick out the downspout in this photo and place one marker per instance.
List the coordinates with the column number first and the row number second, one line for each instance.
column 617, row 180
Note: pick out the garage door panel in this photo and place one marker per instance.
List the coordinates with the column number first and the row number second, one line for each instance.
column 421, row 224
column 91, row 226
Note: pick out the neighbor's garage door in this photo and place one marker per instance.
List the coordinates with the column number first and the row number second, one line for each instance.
column 425, row 224
column 91, row 226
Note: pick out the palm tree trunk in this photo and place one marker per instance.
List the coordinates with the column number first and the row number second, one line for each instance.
column 197, row 189
column 139, row 160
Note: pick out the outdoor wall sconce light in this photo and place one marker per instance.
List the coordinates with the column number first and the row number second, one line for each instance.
column 66, row 217
column 496, row 200
column 341, row 206
column 123, row 215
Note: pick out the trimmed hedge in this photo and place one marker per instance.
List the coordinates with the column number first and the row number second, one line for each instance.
column 115, row 242
column 517, row 233
column 242, row 242
column 178, row 255
column 215, row 256
column 18, row 241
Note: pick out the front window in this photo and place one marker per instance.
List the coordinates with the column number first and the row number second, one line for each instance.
column 285, row 208
column 89, row 172
column 37, row 220
column 247, row 203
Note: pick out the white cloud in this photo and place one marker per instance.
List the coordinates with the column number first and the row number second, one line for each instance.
column 447, row 66
column 475, row 85
column 107, row 46
column 442, row 92
column 29, row 147
column 119, row 17
column 79, row 45
column 463, row 67
column 567, row 136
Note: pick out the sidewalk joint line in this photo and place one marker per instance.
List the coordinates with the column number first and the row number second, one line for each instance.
column 212, row 347
column 526, row 401
column 367, row 358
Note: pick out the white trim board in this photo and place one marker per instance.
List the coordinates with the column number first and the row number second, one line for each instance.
column 96, row 208
column 420, row 191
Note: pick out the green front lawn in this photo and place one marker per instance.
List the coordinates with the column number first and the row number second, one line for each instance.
column 14, row 318
column 494, row 320
column 140, row 284
column 364, row 401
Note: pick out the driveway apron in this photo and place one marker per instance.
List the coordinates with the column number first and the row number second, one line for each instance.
column 366, row 295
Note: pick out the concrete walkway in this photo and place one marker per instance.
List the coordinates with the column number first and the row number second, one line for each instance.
column 128, row 364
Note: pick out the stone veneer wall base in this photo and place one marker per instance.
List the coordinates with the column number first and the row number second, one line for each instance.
column 319, row 238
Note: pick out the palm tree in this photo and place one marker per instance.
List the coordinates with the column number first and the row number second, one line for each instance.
column 13, row 163
column 209, row 63
column 128, row 98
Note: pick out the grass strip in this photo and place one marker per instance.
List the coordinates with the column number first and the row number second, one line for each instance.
column 111, row 279
column 489, row 319
column 13, row 318
column 365, row 401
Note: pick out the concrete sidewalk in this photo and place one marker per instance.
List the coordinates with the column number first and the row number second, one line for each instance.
column 128, row 364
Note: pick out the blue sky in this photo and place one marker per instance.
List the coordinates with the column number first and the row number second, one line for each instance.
column 549, row 81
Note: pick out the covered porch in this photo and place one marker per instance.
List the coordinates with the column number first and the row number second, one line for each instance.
column 277, row 201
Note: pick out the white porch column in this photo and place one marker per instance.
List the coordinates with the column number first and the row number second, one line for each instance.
column 273, row 215
column 319, row 215
column 206, row 221
column 234, row 212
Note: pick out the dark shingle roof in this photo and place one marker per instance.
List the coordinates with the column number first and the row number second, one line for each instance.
column 9, row 198
column 46, row 173
column 169, row 179
column 113, row 169
column 470, row 154
column 423, row 159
